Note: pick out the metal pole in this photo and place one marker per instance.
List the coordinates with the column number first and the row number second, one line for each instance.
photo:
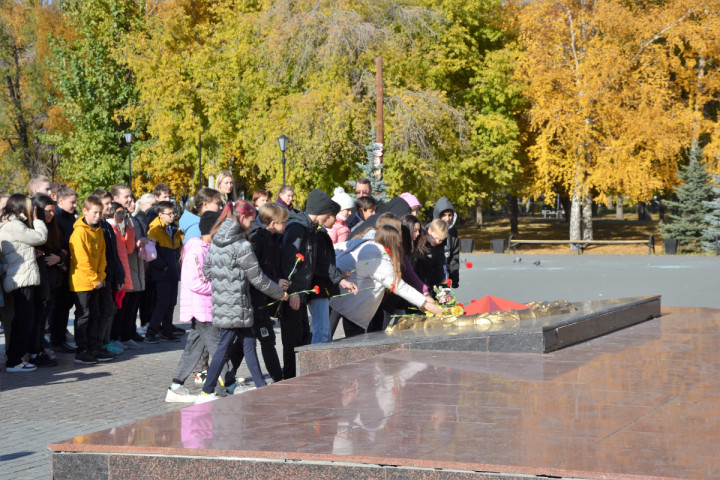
column 129, row 167
column 379, row 103
column 283, row 153
column 199, row 160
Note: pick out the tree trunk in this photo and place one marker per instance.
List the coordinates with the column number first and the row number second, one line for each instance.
column 512, row 210
column 643, row 212
column 479, row 213
column 587, row 215
column 575, row 216
column 565, row 201
column 619, row 208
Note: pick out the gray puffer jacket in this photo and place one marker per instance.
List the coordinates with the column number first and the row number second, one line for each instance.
column 231, row 267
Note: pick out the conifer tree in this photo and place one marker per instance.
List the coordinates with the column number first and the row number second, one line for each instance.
column 686, row 216
column 712, row 231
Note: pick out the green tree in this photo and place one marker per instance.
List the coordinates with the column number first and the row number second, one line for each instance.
column 712, row 219
column 91, row 88
column 686, row 217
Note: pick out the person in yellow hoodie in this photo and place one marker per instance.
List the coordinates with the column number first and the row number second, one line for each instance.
column 165, row 272
column 87, row 277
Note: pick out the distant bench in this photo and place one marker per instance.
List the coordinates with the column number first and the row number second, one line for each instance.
column 581, row 244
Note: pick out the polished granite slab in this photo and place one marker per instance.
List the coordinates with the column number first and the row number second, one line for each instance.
column 643, row 402
column 532, row 335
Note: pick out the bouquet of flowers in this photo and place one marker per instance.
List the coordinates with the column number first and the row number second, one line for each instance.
column 447, row 301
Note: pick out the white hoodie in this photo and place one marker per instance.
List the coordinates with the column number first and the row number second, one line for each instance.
column 373, row 274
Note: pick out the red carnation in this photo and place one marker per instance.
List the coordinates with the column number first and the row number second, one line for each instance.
column 387, row 250
column 392, row 287
column 468, row 264
column 448, row 282
column 300, row 257
column 460, row 305
column 316, row 289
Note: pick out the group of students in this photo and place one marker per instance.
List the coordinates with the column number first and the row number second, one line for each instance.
column 235, row 265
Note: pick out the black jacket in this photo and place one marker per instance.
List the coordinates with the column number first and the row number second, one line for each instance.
column 327, row 276
column 431, row 268
column 66, row 223
column 397, row 206
column 300, row 238
column 451, row 245
column 267, row 250
column 114, row 271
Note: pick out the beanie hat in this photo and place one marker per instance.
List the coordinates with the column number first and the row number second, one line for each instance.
column 410, row 199
column 343, row 199
column 318, row 203
column 207, row 222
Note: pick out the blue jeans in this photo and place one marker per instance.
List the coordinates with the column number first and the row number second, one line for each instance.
column 320, row 312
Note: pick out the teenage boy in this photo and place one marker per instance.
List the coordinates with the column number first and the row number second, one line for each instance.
column 365, row 208
column 164, row 272
column 39, row 184
column 162, row 193
column 87, row 278
column 300, row 239
column 445, row 211
column 63, row 300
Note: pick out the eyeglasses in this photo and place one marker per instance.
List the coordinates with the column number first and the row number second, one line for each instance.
column 171, row 214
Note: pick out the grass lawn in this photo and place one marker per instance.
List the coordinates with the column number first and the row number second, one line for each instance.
column 605, row 227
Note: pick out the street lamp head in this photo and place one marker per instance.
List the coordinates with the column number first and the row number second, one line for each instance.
column 283, row 142
column 128, row 137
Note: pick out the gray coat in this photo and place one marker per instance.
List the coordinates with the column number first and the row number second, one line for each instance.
column 231, row 267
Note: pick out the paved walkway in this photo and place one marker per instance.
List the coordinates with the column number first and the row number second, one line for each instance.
column 54, row 404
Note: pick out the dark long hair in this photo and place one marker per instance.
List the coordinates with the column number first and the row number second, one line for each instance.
column 40, row 201
column 413, row 248
column 17, row 205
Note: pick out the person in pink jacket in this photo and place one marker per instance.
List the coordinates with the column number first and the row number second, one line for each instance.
column 196, row 309
column 340, row 231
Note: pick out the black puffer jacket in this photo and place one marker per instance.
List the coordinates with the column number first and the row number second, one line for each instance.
column 231, row 266
column 327, row 275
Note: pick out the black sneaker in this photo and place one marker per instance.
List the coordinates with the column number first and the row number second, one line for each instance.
column 168, row 337
column 150, row 338
column 137, row 337
column 104, row 356
column 64, row 347
column 42, row 360
column 85, row 358
column 177, row 330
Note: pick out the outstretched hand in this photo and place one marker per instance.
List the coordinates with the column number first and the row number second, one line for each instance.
column 432, row 308
column 284, row 284
column 349, row 286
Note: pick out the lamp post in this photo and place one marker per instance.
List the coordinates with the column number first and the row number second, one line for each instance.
column 128, row 140
column 283, row 142
column 199, row 160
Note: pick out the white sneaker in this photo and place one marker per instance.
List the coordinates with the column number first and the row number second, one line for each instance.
column 176, row 393
column 200, row 378
column 242, row 389
column 142, row 330
column 205, row 397
column 21, row 367
column 131, row 345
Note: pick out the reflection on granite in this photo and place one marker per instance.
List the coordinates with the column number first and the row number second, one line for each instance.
column 639, row 403
column 526, row 331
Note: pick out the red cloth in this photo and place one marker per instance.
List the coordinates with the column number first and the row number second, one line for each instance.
column 118, row 295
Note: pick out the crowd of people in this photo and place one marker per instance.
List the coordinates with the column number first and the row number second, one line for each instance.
column 235, row 266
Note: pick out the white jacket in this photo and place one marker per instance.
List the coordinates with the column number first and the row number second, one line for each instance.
column 18, row 242
column 374, row 273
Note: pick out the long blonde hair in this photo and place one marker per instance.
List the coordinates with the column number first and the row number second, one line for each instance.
column 222, row 175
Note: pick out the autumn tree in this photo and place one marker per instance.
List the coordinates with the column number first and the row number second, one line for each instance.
column 24, row 28
column 90, row 89
column 608, row 115
column 239, row 74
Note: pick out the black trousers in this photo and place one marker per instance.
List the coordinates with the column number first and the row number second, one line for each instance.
column 87, row 321
column 22, row 325
column 123, row 325
column 62, row 302
column 295, row 332
column 165, row 299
